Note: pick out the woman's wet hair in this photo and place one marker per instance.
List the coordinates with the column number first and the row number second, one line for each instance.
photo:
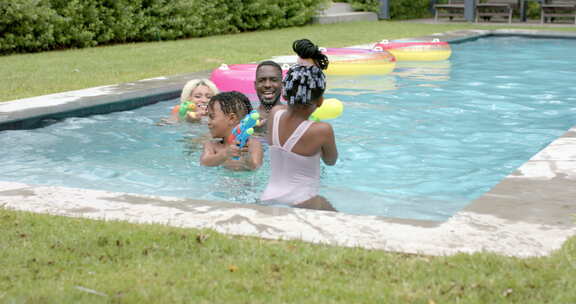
column 231, row 102
column 308, row 50
column 303, row 85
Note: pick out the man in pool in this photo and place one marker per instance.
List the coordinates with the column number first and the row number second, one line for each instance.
column 268, row 85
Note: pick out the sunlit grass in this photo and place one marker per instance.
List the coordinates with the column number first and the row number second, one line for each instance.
column 49, row 259
column 51, row 72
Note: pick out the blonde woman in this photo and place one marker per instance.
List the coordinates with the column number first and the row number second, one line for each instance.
column 198, row 92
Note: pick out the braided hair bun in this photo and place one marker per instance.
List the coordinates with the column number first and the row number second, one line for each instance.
column 308, row 50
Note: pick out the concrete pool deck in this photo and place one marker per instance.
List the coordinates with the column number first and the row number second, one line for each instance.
column 529, row 213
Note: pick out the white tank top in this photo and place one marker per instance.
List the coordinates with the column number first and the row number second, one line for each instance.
column 294, row 178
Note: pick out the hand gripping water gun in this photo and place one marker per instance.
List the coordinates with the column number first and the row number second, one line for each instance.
column 242, row 132
column 184, row 108
column 331, row 108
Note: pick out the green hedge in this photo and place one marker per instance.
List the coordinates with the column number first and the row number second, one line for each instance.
column 39, row 25
column 399, row 9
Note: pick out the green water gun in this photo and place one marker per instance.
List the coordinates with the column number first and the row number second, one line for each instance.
column 184, row 108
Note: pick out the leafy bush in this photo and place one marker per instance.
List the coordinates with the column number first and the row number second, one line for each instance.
column 27, row 25
column 533, row 10
column 37, row 25
column 409, row 9
column 365, row 5
column 399, row 9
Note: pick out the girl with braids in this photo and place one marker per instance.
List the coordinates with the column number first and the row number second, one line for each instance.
column 225, row 110
column 298, row 144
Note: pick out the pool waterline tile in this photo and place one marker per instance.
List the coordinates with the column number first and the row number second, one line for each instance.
column 529, row 213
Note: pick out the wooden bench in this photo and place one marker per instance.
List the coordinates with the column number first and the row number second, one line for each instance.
column 487, row 9
column 454, row 8
column 555, row 9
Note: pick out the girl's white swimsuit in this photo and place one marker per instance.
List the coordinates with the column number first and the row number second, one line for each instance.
column 294, row 178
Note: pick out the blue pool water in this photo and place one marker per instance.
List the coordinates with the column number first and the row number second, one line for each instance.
column 419, row 143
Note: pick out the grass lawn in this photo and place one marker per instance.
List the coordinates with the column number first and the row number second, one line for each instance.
column 51, row 72
column 50, row 259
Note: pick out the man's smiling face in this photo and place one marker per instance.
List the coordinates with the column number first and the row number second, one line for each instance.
column 268, row 84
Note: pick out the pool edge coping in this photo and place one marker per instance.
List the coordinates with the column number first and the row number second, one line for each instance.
column 477, row 227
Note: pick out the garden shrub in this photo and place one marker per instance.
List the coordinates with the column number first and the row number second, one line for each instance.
column 38, row 25
column 366, row 5
column 533, row 10
column 79, row 25
column 409, row 9
column 399, row 9
column 27, row 25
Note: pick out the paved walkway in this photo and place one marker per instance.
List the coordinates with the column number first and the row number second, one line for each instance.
column 515, row 23
column 342, row 12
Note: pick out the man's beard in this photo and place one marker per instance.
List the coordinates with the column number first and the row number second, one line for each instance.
column 268, row 104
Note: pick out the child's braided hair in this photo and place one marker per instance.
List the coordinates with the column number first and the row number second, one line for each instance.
column 303, row 84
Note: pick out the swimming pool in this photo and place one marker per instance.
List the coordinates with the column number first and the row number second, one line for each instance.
column 424, row 143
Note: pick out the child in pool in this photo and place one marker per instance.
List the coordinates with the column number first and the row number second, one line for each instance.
column 225, row 110
column 298, row 144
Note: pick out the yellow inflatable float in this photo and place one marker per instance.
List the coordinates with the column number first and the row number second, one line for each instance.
column 331, row 108
column 351, row 61
column 405, row 50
